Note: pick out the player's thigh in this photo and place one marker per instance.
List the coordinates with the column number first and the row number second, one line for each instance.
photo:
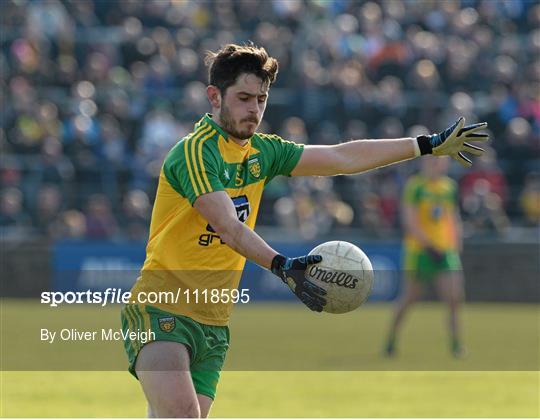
column 449, row 286
column 205, row 404
column 163, row 371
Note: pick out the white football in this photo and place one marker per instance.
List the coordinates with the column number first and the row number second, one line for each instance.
column 346, row 274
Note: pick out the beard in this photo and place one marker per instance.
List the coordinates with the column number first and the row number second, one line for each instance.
column 230, row 125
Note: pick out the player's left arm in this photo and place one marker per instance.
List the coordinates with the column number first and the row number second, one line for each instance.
column 362, row 155
column 353, row 157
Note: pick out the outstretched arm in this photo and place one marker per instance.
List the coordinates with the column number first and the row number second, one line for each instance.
column 354, row 157
column 362, row 155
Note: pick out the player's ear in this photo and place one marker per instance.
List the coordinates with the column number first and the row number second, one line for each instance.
column 214, row 96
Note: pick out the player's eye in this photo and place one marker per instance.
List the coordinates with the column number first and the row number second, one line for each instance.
column 262, row 99
column 244, row 98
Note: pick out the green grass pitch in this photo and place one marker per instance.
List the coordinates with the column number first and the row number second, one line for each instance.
column 339, row 370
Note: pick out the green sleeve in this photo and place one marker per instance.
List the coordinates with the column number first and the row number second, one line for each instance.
column 192, row 169
column 283, row 155
column 411, row 193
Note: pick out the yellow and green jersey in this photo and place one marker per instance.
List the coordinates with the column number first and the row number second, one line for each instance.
column 183, row 250
column 436, row 203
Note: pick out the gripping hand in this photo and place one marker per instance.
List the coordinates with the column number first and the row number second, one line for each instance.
column 453, row 141
column 291, row 271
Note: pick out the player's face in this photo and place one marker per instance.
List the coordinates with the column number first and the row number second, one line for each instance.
column 243, row 105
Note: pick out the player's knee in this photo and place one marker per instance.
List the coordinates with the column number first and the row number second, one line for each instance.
column 181, row 409
column 192, row 411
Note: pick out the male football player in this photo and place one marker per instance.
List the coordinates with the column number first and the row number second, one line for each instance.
column 431, row 245
column 202, row 224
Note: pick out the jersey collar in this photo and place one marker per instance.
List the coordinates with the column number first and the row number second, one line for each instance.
column 207, row 118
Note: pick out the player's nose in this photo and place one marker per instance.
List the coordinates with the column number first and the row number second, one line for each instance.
column 253, row 109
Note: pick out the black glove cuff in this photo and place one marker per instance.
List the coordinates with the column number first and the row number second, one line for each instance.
column 424, row 144
column 277, row 264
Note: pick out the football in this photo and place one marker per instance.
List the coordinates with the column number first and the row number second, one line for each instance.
column 346, row 274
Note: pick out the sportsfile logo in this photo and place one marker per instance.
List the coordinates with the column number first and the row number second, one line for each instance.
column 333, row 277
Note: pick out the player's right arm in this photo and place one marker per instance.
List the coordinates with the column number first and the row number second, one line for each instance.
column 218, row 209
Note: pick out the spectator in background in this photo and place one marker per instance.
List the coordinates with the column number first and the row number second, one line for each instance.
column 135, row 216
column 48, row 17
column 294, row 129
column 47, row 210
column 10, row 172
column 530, row 199
column 70, row 225
column 87, row 74
column 12, row 214
column 159, row 80
column 483, row 210
column 55, row 168
column 519, row 152
column 113, row 153
column 372, row 218
column 486, row 169
column 313, row 208
column 159, row 132
column 389, row 201
column 100, row 222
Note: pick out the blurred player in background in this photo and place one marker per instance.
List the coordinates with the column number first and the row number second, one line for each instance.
column 204, row 214
column 432, row 243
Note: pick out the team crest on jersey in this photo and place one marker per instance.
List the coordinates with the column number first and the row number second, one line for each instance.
column 254, row 167
column 167, row 324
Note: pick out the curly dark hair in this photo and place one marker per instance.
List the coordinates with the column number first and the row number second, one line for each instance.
column 225, row 65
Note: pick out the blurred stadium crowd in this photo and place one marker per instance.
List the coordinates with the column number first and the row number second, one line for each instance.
column 94, row 93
